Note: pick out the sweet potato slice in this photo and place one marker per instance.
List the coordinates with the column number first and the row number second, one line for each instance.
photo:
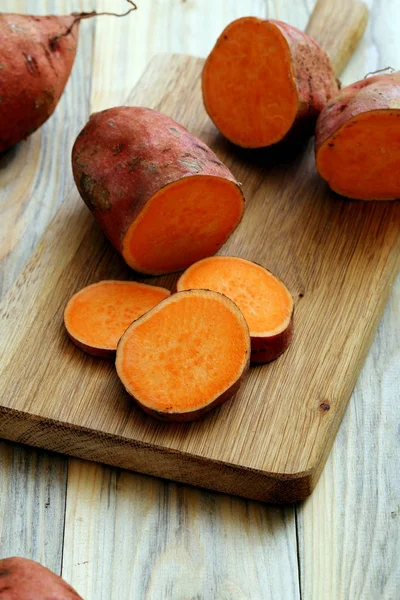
column 97, row 316
column 263, row 79
column 162, row 197
column 358, row 139
column 264, row 300
column 186, row 356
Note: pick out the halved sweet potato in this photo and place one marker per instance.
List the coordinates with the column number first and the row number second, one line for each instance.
column 186, row 356
column 357, row 139
column 97, row 316
column 264, row 300
column 162, row 197
column 263, row 80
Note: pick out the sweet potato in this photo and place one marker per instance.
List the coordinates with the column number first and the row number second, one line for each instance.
column 186, row 356
column 36, row 58
column 357, row 140
column 23, row 579
column 264, row 300
column 34, row 69
column 161, row 195
column 265, row 79
column 97, row 316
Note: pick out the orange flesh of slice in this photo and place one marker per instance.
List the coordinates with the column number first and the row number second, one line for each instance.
column 263, row 299
column 249, row 87
column 185, row 353
column 185, row 221
column 362, row 159
column 98, row 315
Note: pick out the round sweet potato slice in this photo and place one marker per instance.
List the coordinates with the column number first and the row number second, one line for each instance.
column 264, row 300
column 186, row 356
column 97, row 316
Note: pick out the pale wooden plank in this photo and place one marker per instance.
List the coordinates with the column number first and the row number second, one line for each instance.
column 349, row 529
column 132, row 537
column 177, row 542
column 34, row 178
column 32, row 504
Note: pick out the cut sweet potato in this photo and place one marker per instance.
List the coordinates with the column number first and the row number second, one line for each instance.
column 264, row 300
column 357, row 139
column 97, row 315
column 162, row 197
column 263, row 79
column 185, row 356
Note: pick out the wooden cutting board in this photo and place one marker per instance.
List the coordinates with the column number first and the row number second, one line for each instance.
column 338, row 258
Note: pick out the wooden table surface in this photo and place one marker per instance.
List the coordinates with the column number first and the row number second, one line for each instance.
column 118, row 535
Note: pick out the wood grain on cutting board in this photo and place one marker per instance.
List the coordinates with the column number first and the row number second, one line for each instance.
column 337, row 257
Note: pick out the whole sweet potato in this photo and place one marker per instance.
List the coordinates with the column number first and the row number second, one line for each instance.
column 36, row 58
column 34, row 68
column 357, row 139
column 162, row 197
column 23, row 579
column 264, row 80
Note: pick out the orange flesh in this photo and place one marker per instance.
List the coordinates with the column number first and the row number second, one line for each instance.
column 364, row 161
column 185, row 353
column 264, row 301
column 184, row 222
column 98, row 315
column 249, row 88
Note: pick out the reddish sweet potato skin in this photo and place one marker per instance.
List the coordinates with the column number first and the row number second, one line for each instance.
column 381, row 92
column 124, row 155
column 34, row 70
column 23, row 579
column 267, row 349
column 316, row 81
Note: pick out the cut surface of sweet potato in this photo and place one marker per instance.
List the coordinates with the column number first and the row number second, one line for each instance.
column 362, row 159
column 185, row 356
column 96, row 316
column 252, row 66
column 197, row 226
column 264, row 300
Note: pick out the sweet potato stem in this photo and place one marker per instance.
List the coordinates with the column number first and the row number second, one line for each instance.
column 88, row 15
column 384, row 70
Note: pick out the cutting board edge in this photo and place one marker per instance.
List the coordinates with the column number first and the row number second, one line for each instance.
column 149, row 459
